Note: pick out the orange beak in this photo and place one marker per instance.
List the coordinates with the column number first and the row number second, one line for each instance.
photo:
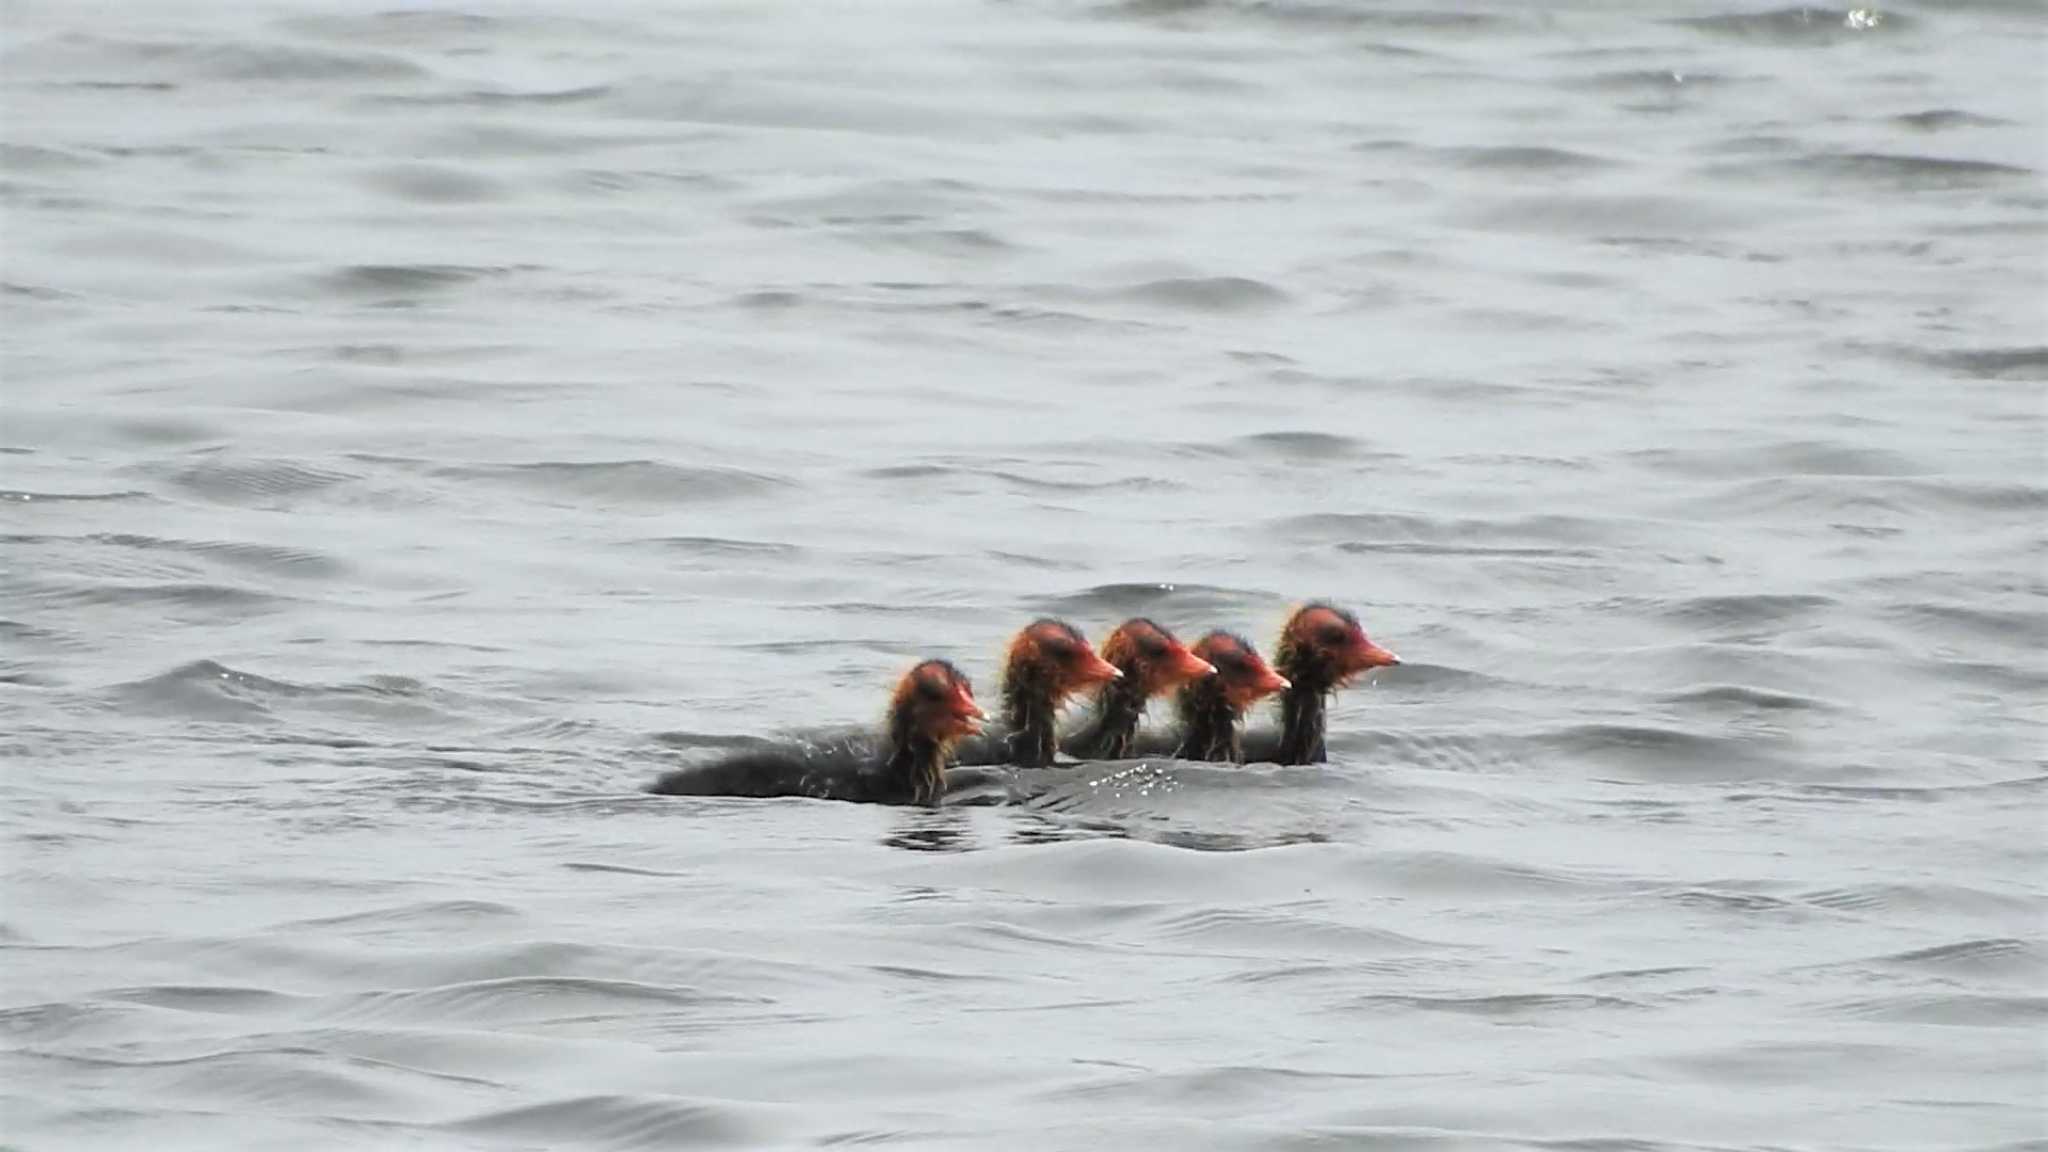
column 967, row 712
column 1268, row 683
column 1244, row 693
column 1097, row 671
column 1370, row 655
column 1188, row 666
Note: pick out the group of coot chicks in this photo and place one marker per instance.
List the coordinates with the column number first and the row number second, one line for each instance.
column 933, row 720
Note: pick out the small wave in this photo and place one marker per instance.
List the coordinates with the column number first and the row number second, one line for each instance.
column 166, row 430
column 1446, row 679
column 1831, row 458
column 22, row 675
column 1789, row 458
column 1735, row 900
column 1115, row 870
column 1501, row 1005
column 1954, row 1009
column 406, row 27
column 1999, row 956
column 19, row 496
column 18, row 632
column 1652, row 80
column 275, row 560
column 525, row 997
column 1017, row 481
column 31, row 292
column 1317, row 14
column 1365, row 528
column 149, row 61
column 506, row 136
column 298, row 65
column 1888, row 169
column 1436, row 751
column 70, row 1020
column 1756, row 1062
column 622, row 1122
column 434, row 184
column 638, row 480
column 204, row 689
column 770, row 299
column 1201, row 1089
column 1300, row 444
column 911, row 472
column 1664, row 752
column 1943, row 119
column 407, row 279
column 1978, row 495
column 1799, row 27
column 1036, row 563
column 2019, row 626
column 220, row 600
column 721, row 547
column 1315, row 973
column 448, row 645
column 1625, row 975
column 1929, row 794
column 933, row 975
column 304, row 1080
column 207, row 998
column 498, row 97
column 2030, row 363
column 1829, row 500
column 1608, row 1144
column 1922, row 897
column 1419, row 548
column 962, row 242
column 457, row 914
column 1525, row 158
column 1802, row 495
column 36, row 158
column 1742, row 698
column 1192, row 601
column 622, row 869
column 1210, row 293
column 1754, row 610
column 208, row 689
column 120, row 85
column 1473, row 874
column 1024, row 482
column 1264, row 929
column 256, row 482
column 1664, row 222
column 887, row 203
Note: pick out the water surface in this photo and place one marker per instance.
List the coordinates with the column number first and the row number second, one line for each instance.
column 424, row 426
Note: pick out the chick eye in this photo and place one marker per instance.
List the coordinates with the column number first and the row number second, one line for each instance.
column 1153, row 647
column 929, row 690
column 1332, row 636
column 1228, row 661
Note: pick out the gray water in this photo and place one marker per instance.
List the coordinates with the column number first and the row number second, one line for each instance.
column 423, row 428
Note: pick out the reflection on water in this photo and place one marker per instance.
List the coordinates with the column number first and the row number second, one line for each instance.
column 922, row 830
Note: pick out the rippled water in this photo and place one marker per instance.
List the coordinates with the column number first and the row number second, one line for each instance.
column 423, row 427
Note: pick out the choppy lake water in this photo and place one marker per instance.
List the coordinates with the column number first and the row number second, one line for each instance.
column 423, row 427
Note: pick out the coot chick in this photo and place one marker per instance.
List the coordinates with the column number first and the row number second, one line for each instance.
column 1048, row 661
column 1153, row 663
column 933, row 707
column 1212, row 708
column 1321, row 649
